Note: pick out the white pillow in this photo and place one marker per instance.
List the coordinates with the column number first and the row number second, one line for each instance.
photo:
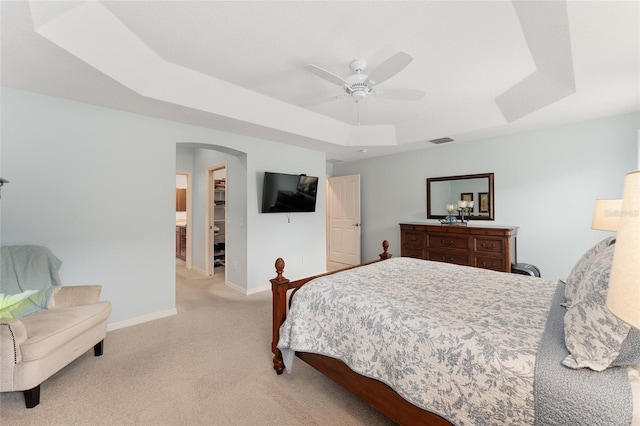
column 594, row 336
column 582, row 266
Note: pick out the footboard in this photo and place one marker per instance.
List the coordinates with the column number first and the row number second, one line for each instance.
column 279, row 288
column 373, row 392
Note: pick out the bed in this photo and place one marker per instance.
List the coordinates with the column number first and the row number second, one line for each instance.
column 435, row 343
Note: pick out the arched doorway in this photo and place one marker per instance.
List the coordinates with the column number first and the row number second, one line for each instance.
column 198, row 159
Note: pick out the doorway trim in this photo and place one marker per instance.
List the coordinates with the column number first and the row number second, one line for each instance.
column 209, row 264
column 188, row 260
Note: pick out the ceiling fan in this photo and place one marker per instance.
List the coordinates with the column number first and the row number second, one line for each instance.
column 359, row 85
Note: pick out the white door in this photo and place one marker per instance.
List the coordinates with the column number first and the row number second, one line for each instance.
column 344, row 219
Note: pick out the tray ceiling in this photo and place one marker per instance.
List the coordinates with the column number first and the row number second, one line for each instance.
column 487, row 68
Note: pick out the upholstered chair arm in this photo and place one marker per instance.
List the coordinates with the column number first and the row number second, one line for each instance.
column 68, row 296
column 12, row 335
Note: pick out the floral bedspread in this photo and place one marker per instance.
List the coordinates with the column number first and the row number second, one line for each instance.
column 458, row 341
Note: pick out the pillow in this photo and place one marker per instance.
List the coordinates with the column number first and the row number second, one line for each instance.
column 595, row 338
column 10, row 304
column 582, row 266
column 629, row 351
column 596, row 276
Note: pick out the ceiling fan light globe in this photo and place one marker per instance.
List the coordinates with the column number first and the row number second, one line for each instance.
column 356, row 79
column 358, row 65
column 358, row 95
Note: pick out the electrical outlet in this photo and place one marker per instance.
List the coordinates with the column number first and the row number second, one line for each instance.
column 235, row 265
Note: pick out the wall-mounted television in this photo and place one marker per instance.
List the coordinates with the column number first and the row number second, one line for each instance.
column 285, row 193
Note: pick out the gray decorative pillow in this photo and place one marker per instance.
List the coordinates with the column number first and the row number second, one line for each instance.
column 596, row 338
column 629, row 351
column 596, row 276
column 582, row 266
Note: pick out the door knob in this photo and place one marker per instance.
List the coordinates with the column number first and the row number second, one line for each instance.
column 356, row 224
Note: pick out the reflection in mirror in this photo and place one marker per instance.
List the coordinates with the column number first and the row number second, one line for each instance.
column 449, row 190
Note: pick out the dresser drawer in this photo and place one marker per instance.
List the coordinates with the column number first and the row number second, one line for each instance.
column 488, row 245
column 410, row 227
column 488, row 262
column 413, row 239
column 449, row 257
column 436, row 241
column 416, row 253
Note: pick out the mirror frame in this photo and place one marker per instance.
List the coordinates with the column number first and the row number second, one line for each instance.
column 490, row 216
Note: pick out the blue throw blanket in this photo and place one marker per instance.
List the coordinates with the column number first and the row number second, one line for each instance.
column 576, row 397
column 29, row 267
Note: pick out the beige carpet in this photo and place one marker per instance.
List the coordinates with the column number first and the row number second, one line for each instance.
column 208, row 365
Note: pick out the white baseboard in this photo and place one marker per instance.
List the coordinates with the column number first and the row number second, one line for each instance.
column 258, row 290
column 174, row 311
column 142, row 319
column 235, row 287
column 245, row 291
column 196, row 268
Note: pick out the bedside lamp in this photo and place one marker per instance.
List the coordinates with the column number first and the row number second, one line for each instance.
column 606, row 214
column 624, row 285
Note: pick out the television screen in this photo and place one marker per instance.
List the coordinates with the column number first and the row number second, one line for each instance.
column 285, row 193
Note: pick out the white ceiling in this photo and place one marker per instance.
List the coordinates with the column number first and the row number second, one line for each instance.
column 487, row 67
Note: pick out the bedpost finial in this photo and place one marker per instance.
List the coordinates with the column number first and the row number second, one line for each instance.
column 279, row 269
column 385, row 247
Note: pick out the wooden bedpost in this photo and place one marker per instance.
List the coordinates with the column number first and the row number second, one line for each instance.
column 279, row 287
column 385, row 253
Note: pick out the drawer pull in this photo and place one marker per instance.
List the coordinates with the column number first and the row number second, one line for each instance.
column 445, row 259
column 487, row 265
column 485, row 246
column 447, row 243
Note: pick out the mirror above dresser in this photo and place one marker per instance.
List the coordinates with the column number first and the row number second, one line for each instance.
column 450, row 190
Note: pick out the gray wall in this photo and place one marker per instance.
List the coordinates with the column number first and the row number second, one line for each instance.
column 97, row 186
column 546, row 182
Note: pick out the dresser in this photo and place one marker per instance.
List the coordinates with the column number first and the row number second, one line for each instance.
column 489, row 247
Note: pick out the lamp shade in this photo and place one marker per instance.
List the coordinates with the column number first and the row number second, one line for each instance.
column 624, row 286
column 606, row 214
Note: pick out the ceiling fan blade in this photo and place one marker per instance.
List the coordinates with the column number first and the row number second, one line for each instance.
column 400, row 94
column 321, row 100
column 389, row 68
column 324, row 74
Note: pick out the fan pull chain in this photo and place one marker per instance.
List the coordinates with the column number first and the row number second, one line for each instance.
column 358, row 113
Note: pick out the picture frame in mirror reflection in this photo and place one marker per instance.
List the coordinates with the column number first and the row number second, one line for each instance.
column 483, row 202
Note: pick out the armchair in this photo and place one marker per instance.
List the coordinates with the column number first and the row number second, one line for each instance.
column 45, row 339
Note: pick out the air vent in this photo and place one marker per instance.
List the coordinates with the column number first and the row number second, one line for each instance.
column 334, row 161
column 441, row 140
